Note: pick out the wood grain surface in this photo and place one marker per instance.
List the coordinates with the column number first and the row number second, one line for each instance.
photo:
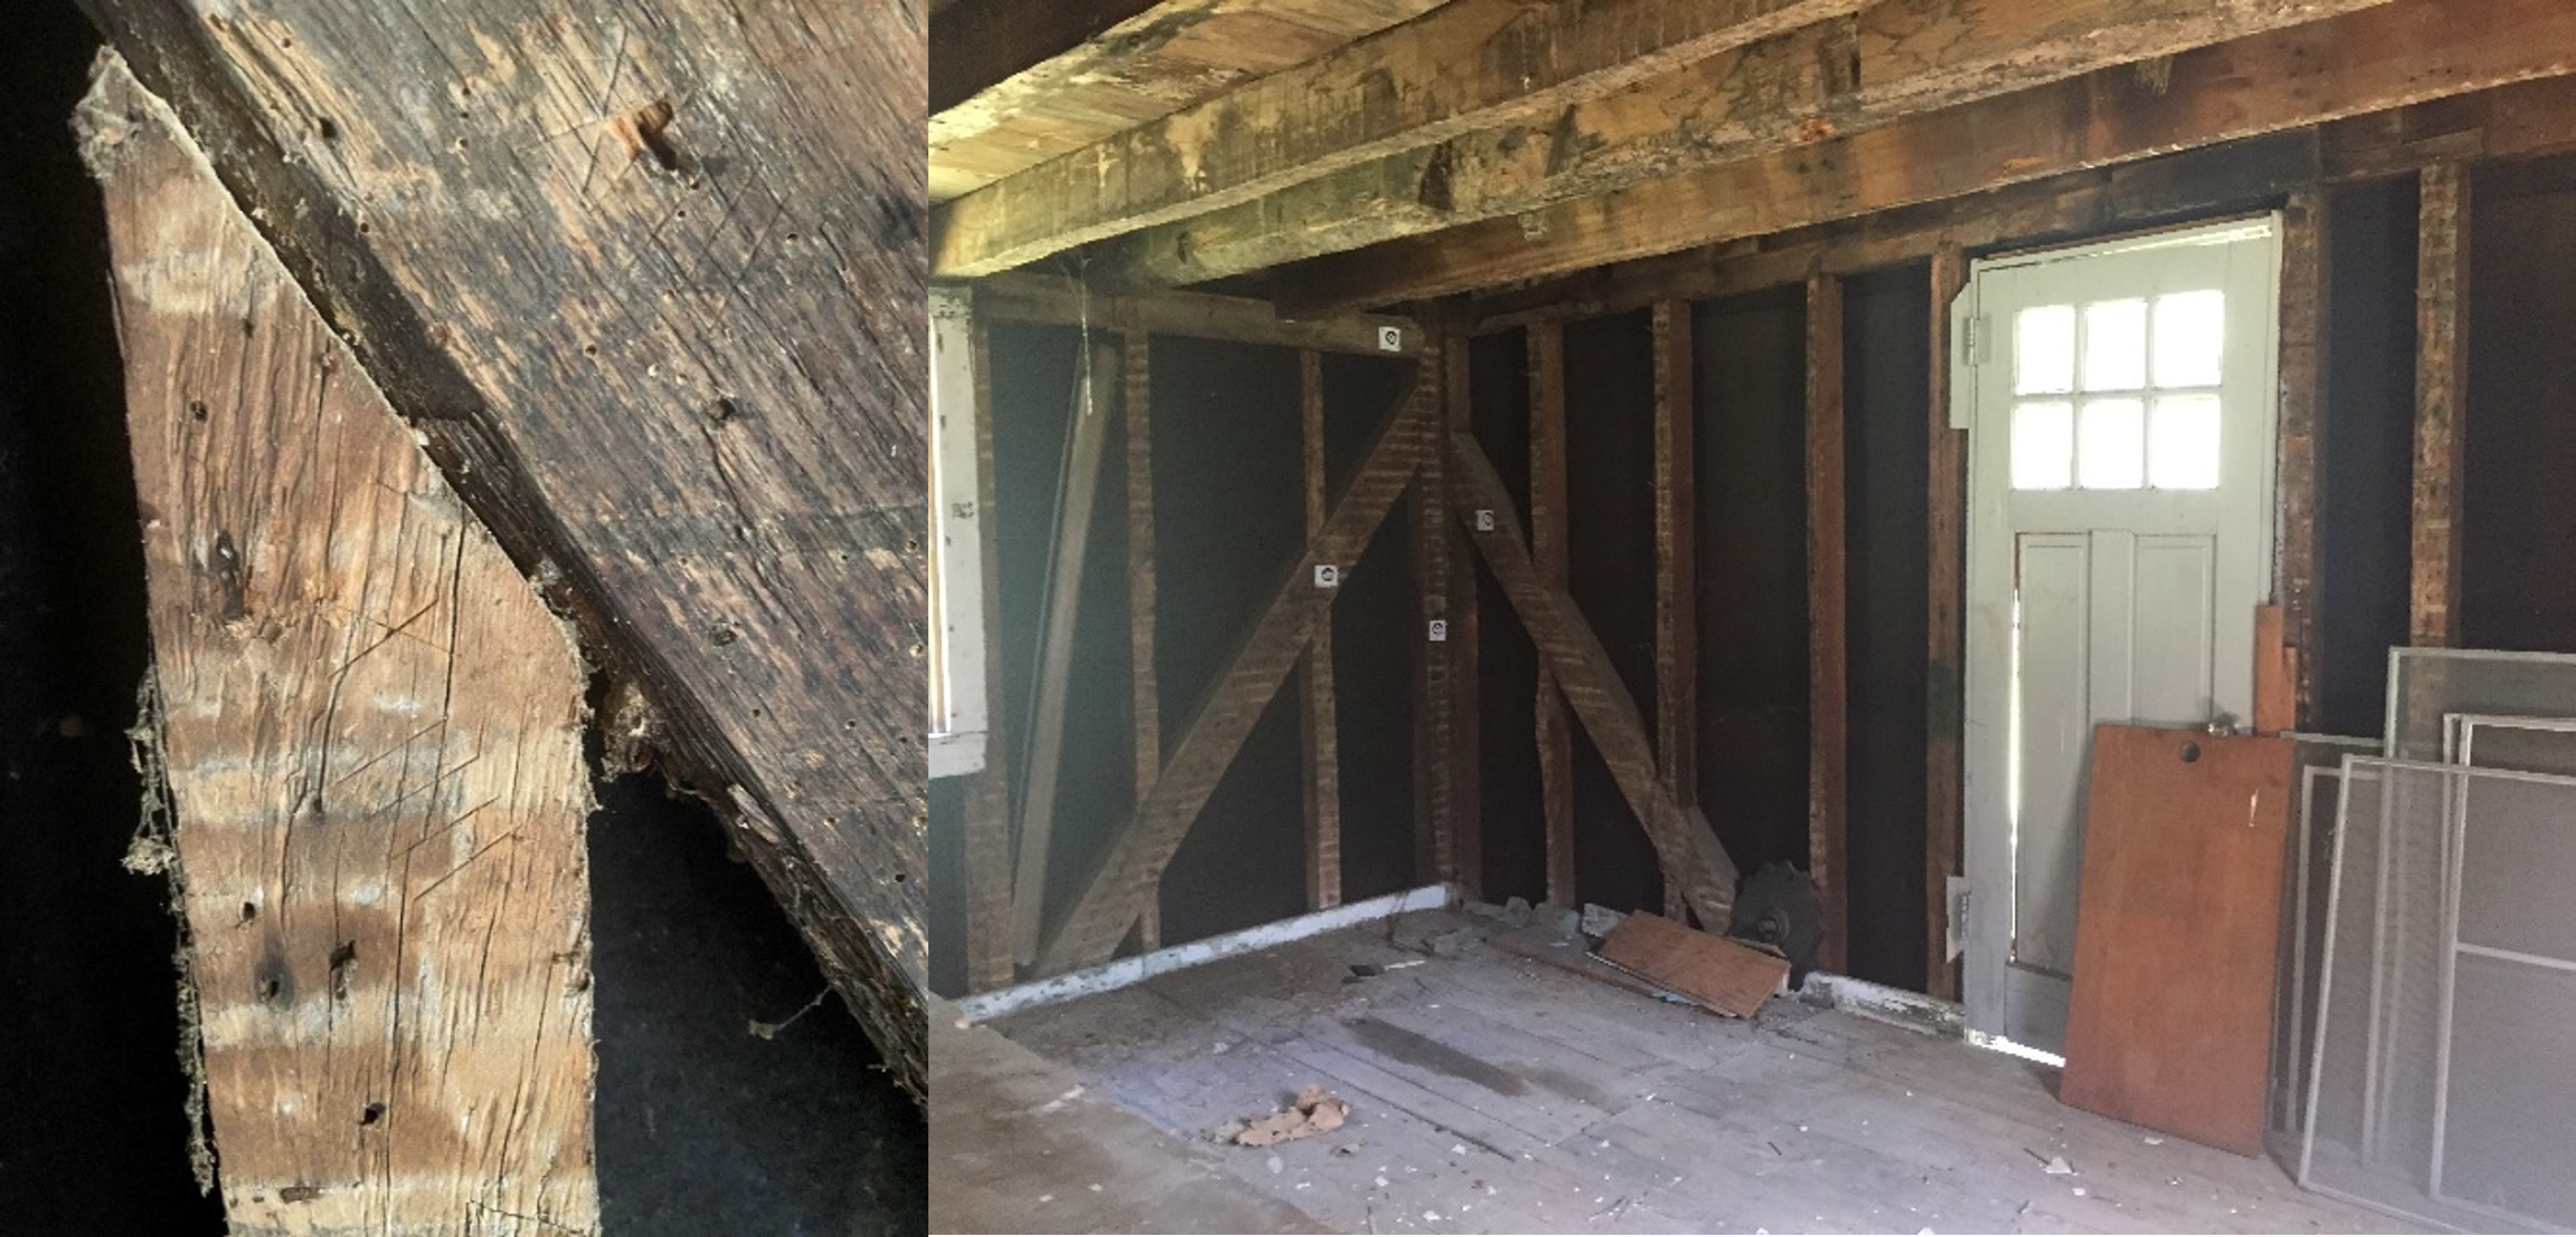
column 372, row 730
column 686, row 376
column 2170, row 1023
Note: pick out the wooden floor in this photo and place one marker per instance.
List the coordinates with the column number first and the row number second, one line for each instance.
column 1494, row 1093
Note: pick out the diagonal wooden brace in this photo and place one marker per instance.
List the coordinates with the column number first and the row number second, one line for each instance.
column 1129, row 873
column 1684, row 844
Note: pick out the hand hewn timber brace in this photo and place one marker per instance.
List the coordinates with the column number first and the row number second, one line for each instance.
column 1133, row 867
column 1684, row 844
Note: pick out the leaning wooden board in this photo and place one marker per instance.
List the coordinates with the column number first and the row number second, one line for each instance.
column 1709, row 970
column 2170, row 1023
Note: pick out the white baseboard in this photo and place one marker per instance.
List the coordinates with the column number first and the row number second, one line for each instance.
column 1110, row 976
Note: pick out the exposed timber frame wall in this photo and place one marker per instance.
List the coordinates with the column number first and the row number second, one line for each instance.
column 2319, row 108
column 1186, row 415
column 2304, row 170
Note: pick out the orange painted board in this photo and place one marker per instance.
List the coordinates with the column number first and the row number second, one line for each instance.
column 2276, row 673
column 2170, row 1022
column 1709, row 970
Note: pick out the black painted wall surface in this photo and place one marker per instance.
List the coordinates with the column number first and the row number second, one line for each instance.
column 2367, row 453
column 1751, row 391
column 1887, row 348
column 1610, row 562
column 2518, row 527
column 1515, row 831
column 1374, row 638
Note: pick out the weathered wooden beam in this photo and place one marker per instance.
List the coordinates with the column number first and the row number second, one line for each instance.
column 1676, row 566
column 1133, row 865
column 1945, row 524
column 1014, row 84
column 1145, row 692
column 2441, row 396
column 1319, row 735
column 684, row 376
column 1555, row 732
column 1571, row 651
column 1056, row 300
column 2151, row 191
column 1828, row 662
column 1435, row 854
column 1896, row 59
column 369, row 729
column 1466, row 65
column 1077, row 492
column 979, row 45
column 1465, row 756
column 985, row 807
column 2305, row 285
column 2519, row 120
column 2379, row 58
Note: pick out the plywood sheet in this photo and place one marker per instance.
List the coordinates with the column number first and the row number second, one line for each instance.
column 1712, row 971
column 2176, row 934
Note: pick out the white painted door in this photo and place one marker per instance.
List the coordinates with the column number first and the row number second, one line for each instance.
column 2119, row 401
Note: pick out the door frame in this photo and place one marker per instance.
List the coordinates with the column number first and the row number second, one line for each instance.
column 1985, row 934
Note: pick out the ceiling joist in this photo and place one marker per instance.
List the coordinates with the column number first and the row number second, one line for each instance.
column 1013, row 84
column 1466, row 65
column 1892, row 60
column 2369, row 61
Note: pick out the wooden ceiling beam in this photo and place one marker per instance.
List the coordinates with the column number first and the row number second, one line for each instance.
column 1892, row 60
column 1015, row 83
column 1467, row 65
column 2517, row 121
column 2368, row 61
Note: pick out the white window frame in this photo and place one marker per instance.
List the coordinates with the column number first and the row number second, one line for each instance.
column 958, row 704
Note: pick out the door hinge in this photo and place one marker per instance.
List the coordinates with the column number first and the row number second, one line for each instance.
column 1974, row 340
column 1957, row 928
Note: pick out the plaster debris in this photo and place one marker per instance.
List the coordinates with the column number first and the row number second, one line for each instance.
column 1315, row 1111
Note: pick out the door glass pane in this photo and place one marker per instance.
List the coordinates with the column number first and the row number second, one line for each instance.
column 2110, row 445
column 2182, row 443
column 2043, row 445
column 2044, row 350
column 2115, row 345
column 2190, row 330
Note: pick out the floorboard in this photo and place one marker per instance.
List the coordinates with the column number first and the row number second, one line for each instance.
column 1497, row 1092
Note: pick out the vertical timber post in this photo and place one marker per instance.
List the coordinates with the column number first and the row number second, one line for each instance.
column 1317, row 732
column 2304, row 290
column 2441, row 391
column 1676, row 573
column 1828, row 703
column 1145, row 701
column 1548, row 552
column 1465, row 752
column 986, row 838
column 1945, row 533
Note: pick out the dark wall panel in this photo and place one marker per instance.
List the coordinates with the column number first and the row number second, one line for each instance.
column 1515, row 835
column 1610, row 557
column 1751, row 351
column 1887, row 343
column 1373, row 642
column 2518, row 531
column 1229, row 518
column 2367, row 452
